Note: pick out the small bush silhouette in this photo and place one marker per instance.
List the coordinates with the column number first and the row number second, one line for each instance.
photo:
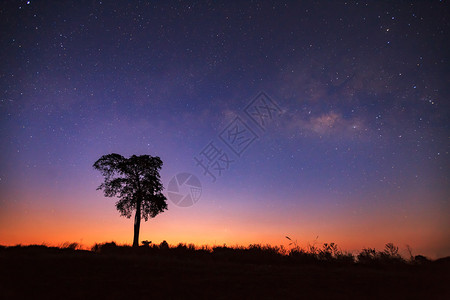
column 420, row 259
column 388, row 255
column 328, row 252
column 391, row 250
column 345, row 258
column 111, row 248
column 108, row 247
column 71, row 246
column 146, row 243
column 367, row 255
column 300, row 255
column 164, row 245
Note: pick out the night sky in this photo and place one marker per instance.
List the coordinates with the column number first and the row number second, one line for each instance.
column 326, row 121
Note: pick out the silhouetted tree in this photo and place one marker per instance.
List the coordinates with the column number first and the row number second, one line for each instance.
column 136, row 182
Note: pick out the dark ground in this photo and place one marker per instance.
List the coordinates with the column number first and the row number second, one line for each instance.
column 53, row 273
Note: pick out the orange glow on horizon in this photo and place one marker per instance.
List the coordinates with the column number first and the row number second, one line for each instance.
column 53, row 227
column 239, row 223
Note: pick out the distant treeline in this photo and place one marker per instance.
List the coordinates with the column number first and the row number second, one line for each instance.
column 327, row 253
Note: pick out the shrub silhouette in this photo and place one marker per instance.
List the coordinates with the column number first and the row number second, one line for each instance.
column 164, row 245
column 328, row 252
column 111, row 248
column 391, row 250
column 108, row 247
column 146, row 243
column 345, row 258
column 389, row 255
column 299, row 255
column 420, row 259
column 367, row 256
column 71, row 246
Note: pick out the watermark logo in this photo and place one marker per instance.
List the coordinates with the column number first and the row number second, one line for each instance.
column 213, row 161
column 184, row 189
column 237, row 136
column 226, row 149
column 262, row 110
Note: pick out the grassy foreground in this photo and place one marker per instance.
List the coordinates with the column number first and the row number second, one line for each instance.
column 160, row 271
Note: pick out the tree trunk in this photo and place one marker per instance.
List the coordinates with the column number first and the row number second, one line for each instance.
column 137, row 224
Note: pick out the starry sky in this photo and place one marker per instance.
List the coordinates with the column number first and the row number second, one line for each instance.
column 327, row 120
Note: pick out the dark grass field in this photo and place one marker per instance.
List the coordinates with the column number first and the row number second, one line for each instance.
column 40, row 272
